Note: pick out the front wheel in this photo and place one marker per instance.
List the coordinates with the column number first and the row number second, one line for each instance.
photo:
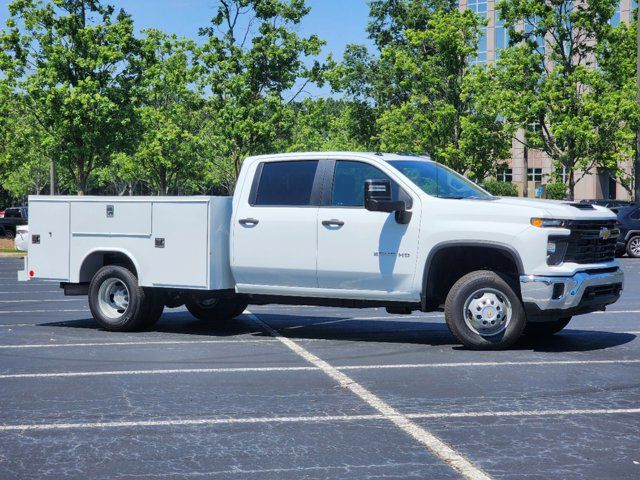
column 545, row 329
column 216, row 309
column 483, row 311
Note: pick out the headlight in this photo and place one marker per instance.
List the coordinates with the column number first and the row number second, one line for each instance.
column 548, row 222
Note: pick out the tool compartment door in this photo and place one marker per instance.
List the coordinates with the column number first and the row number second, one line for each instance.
column 180, row 245
column 49, row 251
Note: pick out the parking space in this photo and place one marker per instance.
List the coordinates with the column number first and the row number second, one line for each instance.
column 307, row 392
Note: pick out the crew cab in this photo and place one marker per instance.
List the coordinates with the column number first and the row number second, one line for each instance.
column 336, row 229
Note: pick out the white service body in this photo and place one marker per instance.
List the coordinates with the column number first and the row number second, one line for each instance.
column 194, row 232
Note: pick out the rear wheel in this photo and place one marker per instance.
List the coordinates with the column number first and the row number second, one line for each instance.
column 633, row 246
column 483, row 311
column 545, row 329
column 9, row 234
column 216, row 309
column 116, row 300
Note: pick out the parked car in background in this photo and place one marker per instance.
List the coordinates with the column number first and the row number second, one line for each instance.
column 1, row 213
column 13, row 218
column 629, row 225
column 22, row 238
column 609, row 203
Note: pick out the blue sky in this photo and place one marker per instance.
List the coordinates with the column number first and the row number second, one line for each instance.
column 338, row 22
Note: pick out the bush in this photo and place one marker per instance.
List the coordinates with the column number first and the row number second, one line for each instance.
column 501, row 189
column 556, row 191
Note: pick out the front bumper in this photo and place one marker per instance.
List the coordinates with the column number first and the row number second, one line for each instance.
column 581, row 293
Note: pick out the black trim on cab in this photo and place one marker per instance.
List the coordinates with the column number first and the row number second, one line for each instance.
column 427, row 302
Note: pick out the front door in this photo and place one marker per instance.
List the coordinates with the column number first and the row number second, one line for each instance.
column 274, row 231
column 363, row 251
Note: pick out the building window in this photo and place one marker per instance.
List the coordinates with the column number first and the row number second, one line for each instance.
column 480, row 9
column 534, row 174
column 505, row 175
column 501, row 35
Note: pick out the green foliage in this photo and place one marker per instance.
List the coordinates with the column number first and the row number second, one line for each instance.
column 501, row 189
column 426, row 97
column 556, row 191
column 121, row 113
column 69, row 59
column 253, row 73
column 550, row 78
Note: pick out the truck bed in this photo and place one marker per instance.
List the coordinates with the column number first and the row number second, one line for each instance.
column 173, row 242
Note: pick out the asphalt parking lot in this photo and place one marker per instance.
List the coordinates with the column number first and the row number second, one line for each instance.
column 316, row 393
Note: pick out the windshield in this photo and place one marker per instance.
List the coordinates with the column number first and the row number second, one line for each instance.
column 439, row 181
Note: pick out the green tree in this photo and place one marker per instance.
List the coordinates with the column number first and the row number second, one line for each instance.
column 329, row 124
column 166, row 151
column 426, row 95
column 578, row 111
column 24, row 160
column 253, row 65
column 70, row 61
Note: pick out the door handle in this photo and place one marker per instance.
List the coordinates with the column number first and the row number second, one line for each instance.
column 332, row 223
column 248, row 221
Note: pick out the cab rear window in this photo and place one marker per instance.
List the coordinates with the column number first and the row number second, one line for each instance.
column 286, row 183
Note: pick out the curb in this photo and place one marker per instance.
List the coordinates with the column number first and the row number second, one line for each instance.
column 13, row 254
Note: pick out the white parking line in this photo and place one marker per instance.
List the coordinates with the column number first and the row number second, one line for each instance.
column 43, row 311
column 156, row 372
column 100, row 373
column 311, row 419
column 443, row 451
column 17, row 292
column 113, row 344
column 40, row 300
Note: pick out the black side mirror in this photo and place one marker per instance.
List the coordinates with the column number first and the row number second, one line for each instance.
column 377, row 198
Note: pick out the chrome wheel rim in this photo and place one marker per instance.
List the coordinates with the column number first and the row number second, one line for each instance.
column 487, row 312
column 208, row 303
column 113, row 298
column 634, row 246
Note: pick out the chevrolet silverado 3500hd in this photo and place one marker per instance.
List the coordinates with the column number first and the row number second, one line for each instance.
column 336, row 229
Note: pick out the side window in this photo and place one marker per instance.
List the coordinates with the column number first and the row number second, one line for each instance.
column 286, row 183
column 635, row 215
column 348, row 183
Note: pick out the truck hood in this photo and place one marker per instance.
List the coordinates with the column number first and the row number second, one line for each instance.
column 556, row 208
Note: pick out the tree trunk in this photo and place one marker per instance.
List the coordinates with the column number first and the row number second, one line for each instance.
column 52, row 178
column 636, row 166
column 572, row 185
column 525, row 168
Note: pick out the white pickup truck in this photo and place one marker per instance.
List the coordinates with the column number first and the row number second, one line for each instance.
column 335, row 229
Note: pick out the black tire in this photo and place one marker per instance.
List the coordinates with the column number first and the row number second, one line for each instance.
column 473, row 287
column 129, row 319
column 154, row 308
column 633, row 244
column 220, row 309
column 9, row 234
column 545, row 329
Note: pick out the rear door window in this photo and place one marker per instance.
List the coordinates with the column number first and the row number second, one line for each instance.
column 286, row 183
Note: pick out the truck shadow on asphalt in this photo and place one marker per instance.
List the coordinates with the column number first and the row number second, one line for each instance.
column 358, row 330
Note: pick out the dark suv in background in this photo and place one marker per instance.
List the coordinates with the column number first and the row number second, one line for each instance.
column 629, row 225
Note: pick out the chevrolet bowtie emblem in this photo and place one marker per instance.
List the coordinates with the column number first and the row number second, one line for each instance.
column 605, row 233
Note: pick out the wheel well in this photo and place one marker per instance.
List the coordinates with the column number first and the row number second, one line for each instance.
column 450, row 263
column 96, row 260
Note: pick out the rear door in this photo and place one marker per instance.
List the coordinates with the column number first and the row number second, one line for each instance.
column 274, row 226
